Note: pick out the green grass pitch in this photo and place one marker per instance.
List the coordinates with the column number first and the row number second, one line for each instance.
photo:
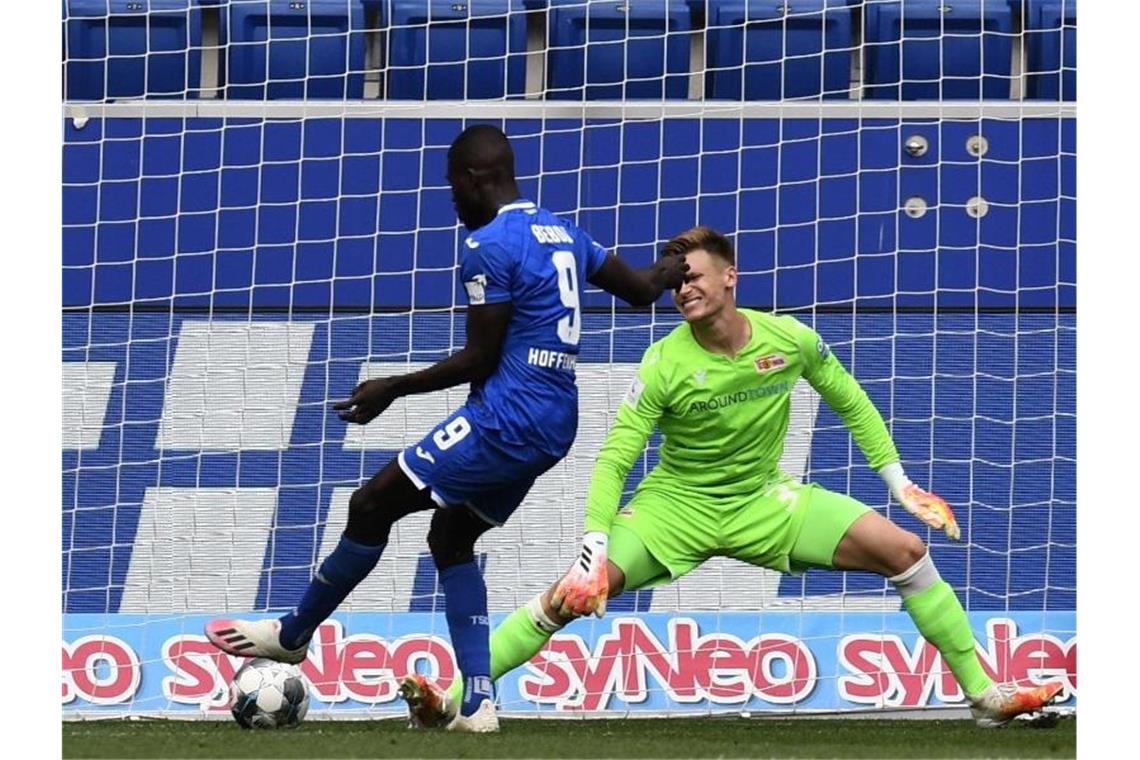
column 688, row 737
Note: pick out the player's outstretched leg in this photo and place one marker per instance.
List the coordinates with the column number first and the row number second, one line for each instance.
column 520, row 636
column 876, row 544
column 514, row 641
column 525, row 631
column 372, row 510
column 451, row 539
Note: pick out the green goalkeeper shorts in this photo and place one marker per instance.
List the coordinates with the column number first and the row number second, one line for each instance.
column 788, row 526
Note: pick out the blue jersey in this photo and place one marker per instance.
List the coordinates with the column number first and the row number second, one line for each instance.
column 539, row 263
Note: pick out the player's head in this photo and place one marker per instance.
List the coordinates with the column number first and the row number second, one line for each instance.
column 481, row 172
column 709, row 284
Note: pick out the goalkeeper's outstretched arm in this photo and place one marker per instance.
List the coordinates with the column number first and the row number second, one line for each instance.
column 848, row 399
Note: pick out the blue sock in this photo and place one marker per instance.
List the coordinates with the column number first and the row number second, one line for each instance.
column 347, row 565
column 465, row 596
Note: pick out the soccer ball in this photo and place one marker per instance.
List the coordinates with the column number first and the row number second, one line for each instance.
column 268, row 694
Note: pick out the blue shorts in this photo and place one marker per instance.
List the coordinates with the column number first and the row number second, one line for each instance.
column 465, row 464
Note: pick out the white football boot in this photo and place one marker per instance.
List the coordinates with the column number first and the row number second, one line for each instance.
column 483, row 721
column 253, row 638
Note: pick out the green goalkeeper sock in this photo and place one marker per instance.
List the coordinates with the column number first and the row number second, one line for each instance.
column 513, row 642
column 940, row 619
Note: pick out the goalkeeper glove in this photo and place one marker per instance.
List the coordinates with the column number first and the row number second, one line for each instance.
column 929, row 507
column 585, row 587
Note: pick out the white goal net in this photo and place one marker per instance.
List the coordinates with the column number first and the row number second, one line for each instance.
column 255, row 218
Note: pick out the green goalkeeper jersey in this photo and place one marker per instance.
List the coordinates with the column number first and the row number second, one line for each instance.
column 723, row 420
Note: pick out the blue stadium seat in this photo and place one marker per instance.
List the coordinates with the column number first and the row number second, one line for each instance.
column 315, row 49
column 450, row 50
column 132, row 49
column 628, row 54
column 936, row 49
column 1051, row 36
column 769, row 51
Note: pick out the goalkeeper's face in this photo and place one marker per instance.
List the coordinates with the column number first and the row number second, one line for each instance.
column 708, row 287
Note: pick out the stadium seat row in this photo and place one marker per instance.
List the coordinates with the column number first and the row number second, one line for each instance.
column 618, row 49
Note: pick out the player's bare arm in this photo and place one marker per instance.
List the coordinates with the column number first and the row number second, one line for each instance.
column 640, row 287
column 486, row 327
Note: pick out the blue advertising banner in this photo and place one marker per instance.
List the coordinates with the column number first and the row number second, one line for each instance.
column 646, row 663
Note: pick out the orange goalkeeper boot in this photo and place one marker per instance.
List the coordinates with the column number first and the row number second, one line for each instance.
column 1001, row 703
column 428, row 705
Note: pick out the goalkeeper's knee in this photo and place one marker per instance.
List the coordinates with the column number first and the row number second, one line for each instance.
column 920, row 576
column 898, row 551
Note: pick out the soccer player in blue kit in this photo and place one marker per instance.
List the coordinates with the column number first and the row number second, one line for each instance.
column 523, row 269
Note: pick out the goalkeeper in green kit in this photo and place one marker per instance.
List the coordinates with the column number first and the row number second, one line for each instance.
column 719, row 388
